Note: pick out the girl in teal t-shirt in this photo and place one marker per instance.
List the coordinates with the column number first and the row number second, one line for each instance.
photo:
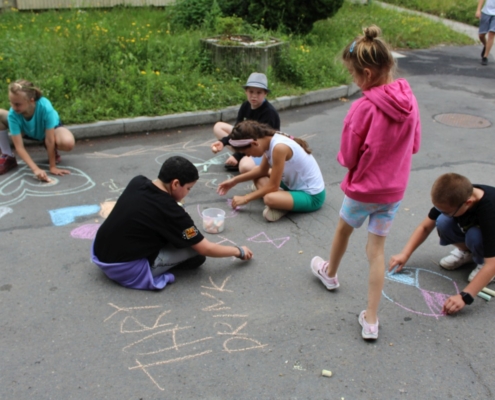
column 31, row 115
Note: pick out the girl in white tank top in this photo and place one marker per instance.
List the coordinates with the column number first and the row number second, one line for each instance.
column 288, row 178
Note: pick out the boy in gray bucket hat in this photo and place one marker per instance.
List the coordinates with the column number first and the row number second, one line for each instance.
column 256, row 108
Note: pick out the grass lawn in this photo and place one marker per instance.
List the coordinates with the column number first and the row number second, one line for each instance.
column 462, row 11
column 126, row 62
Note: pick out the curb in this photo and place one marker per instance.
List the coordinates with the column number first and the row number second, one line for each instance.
column 146, row 124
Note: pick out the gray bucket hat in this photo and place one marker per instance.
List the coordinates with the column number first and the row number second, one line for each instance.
column 258, row 80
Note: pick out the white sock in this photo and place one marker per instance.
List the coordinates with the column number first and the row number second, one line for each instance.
column 5, row 144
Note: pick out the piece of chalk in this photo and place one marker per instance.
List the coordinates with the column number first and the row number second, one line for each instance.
column 325, row 372
column 489, row 291
column 205, row 168
column 484, row 296
column 394, row 269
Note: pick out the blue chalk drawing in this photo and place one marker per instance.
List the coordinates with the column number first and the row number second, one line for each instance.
column 67, row 215
column 22, row 184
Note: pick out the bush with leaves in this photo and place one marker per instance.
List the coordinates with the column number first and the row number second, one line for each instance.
column 294, row 15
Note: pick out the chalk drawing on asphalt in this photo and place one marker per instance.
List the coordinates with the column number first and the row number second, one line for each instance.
column 86, row 231
column 5, row 210
column 187, row 146
column 262, row 237
column 23, row 184
column 420, row 279
column 162, row 341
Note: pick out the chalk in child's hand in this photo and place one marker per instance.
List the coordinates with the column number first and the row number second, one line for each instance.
column 214, row 148
column 394, row 270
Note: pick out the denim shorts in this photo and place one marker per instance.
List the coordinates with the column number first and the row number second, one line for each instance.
column 381, row 215
column 487, row 23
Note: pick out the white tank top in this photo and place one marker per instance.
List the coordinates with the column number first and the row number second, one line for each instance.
column 301, row 172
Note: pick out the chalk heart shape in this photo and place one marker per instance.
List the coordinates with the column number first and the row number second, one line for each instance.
column 23, row 183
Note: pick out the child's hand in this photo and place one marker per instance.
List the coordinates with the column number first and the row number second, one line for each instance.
column 216, row 146
column 238, row 201
column 59, row 172
column 248, row 254
column 225, row 186
column 453, row 304
column 398, row 260
column 41, row 175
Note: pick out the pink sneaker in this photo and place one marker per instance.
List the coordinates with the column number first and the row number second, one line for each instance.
column 7, row 163
column 370, row 331
column 319, row 268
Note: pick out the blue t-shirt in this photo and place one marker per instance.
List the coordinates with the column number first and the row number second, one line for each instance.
column 44, row 117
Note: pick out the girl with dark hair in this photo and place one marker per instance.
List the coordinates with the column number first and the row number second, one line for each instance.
column 288, row 178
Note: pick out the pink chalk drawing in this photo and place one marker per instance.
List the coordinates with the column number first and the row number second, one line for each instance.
column 432, row 300
column 263, row 238
column 87, row 231
column 225, row 240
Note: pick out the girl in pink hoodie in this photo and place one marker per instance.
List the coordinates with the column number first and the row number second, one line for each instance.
column 381, row 133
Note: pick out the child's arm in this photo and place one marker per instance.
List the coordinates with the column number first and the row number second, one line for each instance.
column 22, row 152
column 209, row 249
column 483, row 277
column 280, row 153
column 478, row 9
column 417, row 238
column 350, row 145
column 255, row 173
column 50, row 148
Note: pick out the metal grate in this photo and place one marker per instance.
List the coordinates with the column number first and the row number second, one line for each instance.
column 462, row 121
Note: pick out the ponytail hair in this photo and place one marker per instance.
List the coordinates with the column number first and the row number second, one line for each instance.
column 369, row 51
column 22, row 85
column 255, row 130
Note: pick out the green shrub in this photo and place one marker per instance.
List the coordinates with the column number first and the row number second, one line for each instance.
column 294, row 15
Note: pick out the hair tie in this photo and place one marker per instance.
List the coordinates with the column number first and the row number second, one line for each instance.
column 286, row 135
column 351, row 49
column 240, row 142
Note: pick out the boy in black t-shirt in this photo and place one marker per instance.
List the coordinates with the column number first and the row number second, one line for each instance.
column 256, row 108
column 148, row 231
column 464, row 215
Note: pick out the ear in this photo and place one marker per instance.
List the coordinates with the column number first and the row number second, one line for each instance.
column 368, row 73
column 174, row 184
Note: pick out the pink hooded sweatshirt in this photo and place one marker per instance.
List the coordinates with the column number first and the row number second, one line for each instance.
column 382, row 130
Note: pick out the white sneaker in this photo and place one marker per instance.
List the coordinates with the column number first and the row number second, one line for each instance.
column 475, row 271
column 456, row 259
column 370, row 331
column 319, row 267
column 272, row 214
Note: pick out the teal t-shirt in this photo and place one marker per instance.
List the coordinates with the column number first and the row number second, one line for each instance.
column 44, row 117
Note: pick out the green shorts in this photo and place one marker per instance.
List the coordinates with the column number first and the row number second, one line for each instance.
column 304, row 202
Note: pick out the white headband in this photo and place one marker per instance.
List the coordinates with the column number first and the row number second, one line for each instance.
column 241, row 142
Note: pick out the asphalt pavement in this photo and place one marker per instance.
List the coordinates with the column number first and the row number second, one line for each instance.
column 263, row 329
